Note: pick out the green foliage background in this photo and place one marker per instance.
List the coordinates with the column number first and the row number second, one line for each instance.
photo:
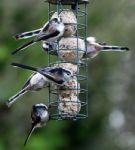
column 111, row 122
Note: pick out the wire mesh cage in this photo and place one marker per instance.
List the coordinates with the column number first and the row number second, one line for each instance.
column 69, row 101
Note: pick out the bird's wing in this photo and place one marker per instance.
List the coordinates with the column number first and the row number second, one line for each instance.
column 47, row 26
column 45, row 36
column 56, row 72
column 53, row 78
column 48, row 31
column 45, row 30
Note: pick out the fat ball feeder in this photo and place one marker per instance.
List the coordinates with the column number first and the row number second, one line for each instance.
column 71, row 100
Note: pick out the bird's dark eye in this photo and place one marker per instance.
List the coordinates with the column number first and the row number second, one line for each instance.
column 68, row 73
column 55, row 19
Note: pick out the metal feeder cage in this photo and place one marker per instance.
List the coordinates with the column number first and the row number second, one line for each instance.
column 71, row 100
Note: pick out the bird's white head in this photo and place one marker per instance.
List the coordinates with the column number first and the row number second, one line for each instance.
column 91, row 39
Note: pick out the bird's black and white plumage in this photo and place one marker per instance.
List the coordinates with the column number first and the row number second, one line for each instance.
column 51, row 31
column 94, row 48
column 68, row 18
column 34, row 83
column 39, row 116
column 27, row 34
column 56, row 75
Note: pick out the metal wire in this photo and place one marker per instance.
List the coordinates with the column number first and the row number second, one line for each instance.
column 54, row 100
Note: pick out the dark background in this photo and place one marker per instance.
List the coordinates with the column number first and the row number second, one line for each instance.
column 111, row 121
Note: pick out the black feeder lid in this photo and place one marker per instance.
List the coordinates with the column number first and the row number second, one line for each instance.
column 67, row 2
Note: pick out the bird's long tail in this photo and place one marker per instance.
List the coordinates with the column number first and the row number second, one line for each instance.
column 23, row 47
column 24, row 66
column 12, row 99
column 115, row 48
column 28, row 34
column 29, row 134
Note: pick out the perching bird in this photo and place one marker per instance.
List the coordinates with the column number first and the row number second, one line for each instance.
column 56, row 75
column 51, row 31
column 93, row 48
column 68, row 18
column 34, row 83
column 39, row 116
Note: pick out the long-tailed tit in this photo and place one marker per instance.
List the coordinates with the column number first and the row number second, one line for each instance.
column 68, row 18
column 34, row 83
column 51, row 31
column 56, row 75
column 39, row 116
column 94, row 48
